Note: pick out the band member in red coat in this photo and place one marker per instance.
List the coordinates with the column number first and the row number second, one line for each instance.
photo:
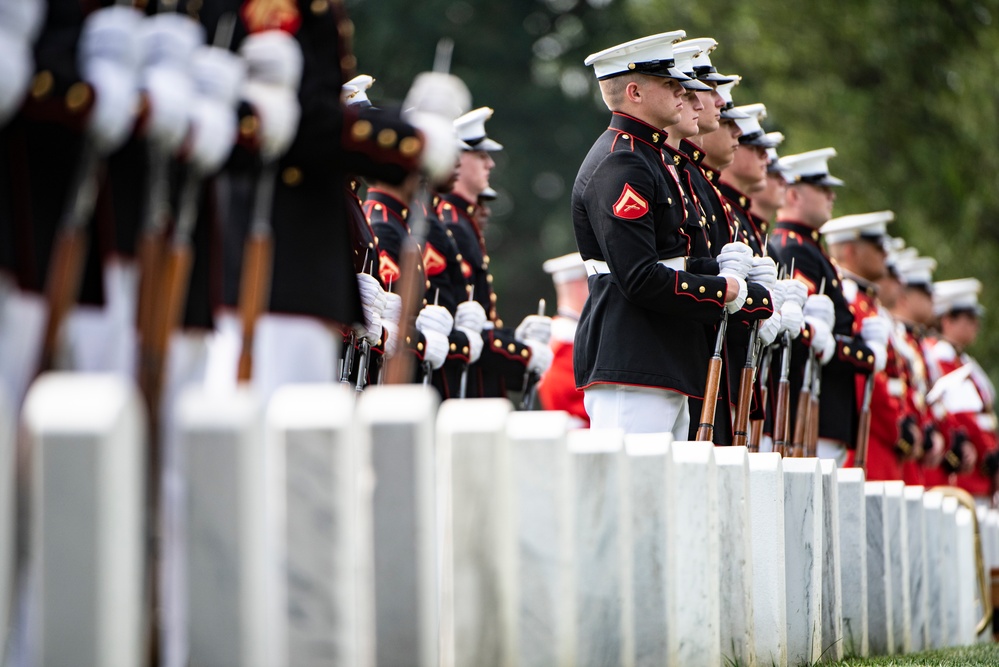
column 557, row 387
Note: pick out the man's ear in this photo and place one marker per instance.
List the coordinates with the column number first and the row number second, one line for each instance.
column 633, row 92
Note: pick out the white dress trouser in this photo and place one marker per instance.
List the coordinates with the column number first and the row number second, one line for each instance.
column 637, row 409
column 831, row 449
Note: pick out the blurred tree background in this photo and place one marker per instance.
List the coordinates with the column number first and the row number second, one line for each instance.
column 905, row 90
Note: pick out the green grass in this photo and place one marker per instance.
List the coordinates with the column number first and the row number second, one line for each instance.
column 982, row 655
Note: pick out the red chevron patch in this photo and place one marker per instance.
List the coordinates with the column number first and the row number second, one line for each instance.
column 630, row 204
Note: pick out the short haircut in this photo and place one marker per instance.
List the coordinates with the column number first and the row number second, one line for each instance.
column 612, row 90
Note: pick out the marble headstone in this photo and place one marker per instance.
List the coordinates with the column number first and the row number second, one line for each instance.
column 936, row 615
column 766, row 509
column 879, row 591
column 918, row 570
column 483, row 511
column 967, row 571
column 853, row 558
column 233, row 556
column 950, row 580
column 898, row 551
column 736, row 571
column 543, row 483
column 396, row 423
column 832, row 583
column 87, row 437
column 695, row 598
column 326, row 527
column 604, row 596
column 803, row 553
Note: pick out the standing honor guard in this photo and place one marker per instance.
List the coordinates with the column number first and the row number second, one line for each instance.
column 857, row 244
column 829, row 336
column 628, row 209
column 510, row 359
column 962, row 396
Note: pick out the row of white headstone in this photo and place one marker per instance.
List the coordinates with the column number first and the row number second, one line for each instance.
column 387, row 530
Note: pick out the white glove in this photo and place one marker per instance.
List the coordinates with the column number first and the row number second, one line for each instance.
column 435, row 347
column 791, row 318
column 470, row 315
column 795, row 290
column 373, row 305
column 822, row 339
column 390, row 322
column 17, row 63
column 778, row 295
column 440, row 145
column 22, row 18
column 820, row 306
column 169, row 40
column 274, row 70
column 541, row 356
column 108, row 58
column 735, row 260
column 534, row 328
column 436, row 319
column 770, row 328
column 875, row 332
column 474, row 343
column 875, row 329
column 735, row 305
column 217, row 75
column 763, row 272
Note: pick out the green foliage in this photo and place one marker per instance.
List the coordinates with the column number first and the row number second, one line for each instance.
column 904, row 89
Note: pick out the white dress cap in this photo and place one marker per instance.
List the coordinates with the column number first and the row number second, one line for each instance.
column 957, row 295
column 651, row 55
column 916, row 271
column 471, row 129
column 725, row 90
column 353, row 93
column 810, row 167
column 683, row 57
column 773, row 160
column 565, row 268
column 703, row 69
column 752, row 131
column 871, row 226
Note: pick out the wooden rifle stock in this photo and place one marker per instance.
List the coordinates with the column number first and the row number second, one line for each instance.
column 756, row 425
column 782, row 406
column 69, row 251
column 740, row 429
column 706, row 427
column 864, row 427
column 258, row 256
column 811, row 445
column 801, row 429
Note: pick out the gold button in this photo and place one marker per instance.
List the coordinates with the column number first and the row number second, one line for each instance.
column 458, row 256
column 625, row 136
column 405, row 213
column 486, row 260
column 805, row 332
column 291, row 176
column 524, row 353
column 870, row 359
column 860, row 354
column 41, row 85
column 428, row 284
column 749, row 300
column 499, row 322
column 77, row 97
column 489, row 279
column 720, row 294
column 425, row 302
column 683, row 285
column 319, row 6
column 497, row 343
column 815, row 236
column 492, row 297
column 361, row 130
column 512, row 348
column 701, row 289
column 348, row 62
column 387, row 137
column 419, row 346
column 410, row 146
column 766, row 302
column 454, row 347
column 669, row 201
column 846, row 349
column 465, row 349
column 470, row 209
column 408, row 340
